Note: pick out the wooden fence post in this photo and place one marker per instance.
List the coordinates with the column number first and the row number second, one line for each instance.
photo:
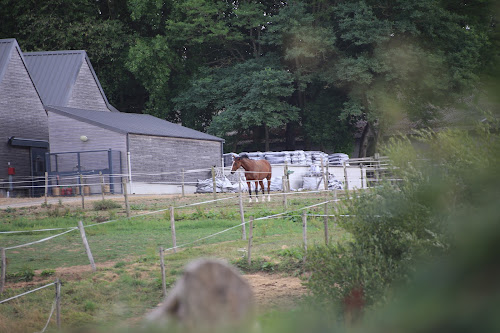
column 183, row 194
column 250, row 238
column 163, row 279
column 323, row 175
column 46, row 186
column 214, row 183
column 81, row 192
column 346, row 179
column 285, row 203
column 101, row 178
column 287, row 177
column 327, row 177
column 125, row 194
column 362, row 176
column 58, row 303
column 242, row 213
column 4, row 269
column 304, row 231
column 172, row 228
column 86, row 244
column 325, row 222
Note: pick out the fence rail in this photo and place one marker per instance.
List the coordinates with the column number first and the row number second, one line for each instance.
column 286, row 213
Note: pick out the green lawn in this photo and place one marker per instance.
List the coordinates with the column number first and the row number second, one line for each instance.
column 130, row 284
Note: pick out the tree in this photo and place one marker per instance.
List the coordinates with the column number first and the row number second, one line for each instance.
column 95, row 26
column 242, row 96
column 402, row 57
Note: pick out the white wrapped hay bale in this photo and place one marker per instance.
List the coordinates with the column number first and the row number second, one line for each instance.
column 312, row 183
column 338, row 159
column 222, row 184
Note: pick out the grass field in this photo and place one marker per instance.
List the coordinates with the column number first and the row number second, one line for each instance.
column 127, row 283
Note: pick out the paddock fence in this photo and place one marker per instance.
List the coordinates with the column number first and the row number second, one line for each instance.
column 79, row 181
column 330, row 197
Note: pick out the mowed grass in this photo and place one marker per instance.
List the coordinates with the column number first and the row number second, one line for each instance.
column 128, row 281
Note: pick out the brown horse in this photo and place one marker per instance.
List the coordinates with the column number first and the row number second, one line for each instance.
column 255, row 170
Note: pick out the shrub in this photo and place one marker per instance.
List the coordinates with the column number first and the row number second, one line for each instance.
column 47, row 272
column 26, row 274
column 105, row 205
column 395, row 227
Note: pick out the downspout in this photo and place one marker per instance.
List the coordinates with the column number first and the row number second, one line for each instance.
column 129, row 165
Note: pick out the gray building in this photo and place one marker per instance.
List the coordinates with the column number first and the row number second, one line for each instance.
column 60, row 101
column 66, row 78
column 24, row 132
column 152, row 151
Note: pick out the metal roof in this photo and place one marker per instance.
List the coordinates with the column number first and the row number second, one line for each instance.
column 55, row 73
column 132, row 123
column 6, row 46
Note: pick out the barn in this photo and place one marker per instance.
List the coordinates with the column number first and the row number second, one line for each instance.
column 88, row 136
column 24, row 132
column 152, row 152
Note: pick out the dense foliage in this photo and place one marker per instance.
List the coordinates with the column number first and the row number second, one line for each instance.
column 273, row 69
column 398, row 227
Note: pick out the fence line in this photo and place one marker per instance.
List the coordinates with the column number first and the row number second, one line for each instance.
column 38, row 230
column 240, row 224
column 40, row 241
column 88, row 176
column 56, row 305
column 172, row 248
column 50, row 316
column 162, row 210
column 26, row 293
column 141, row 215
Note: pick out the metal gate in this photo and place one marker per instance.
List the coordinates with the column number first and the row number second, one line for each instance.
column 65, row 168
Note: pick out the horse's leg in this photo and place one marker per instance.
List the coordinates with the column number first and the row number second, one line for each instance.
column 249, row 191
column 268, row 188
column 256, row 191
column 261, row 182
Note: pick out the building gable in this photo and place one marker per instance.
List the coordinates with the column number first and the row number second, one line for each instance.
column 22, row 113
column 66, row 78
column 20, row 102
column 86, row 93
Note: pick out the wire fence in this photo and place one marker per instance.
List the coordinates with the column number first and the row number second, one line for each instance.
column 286, row 213
column 372, row 170
column 56, row 304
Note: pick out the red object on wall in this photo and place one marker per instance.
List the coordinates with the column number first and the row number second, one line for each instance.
column 11, row 171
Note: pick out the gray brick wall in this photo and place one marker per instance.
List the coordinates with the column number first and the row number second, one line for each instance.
column 65, row 135
column 153, row 155
column 21, row 114
column 86, row 93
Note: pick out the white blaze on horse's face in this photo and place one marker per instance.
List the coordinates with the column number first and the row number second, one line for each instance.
column 236, row 165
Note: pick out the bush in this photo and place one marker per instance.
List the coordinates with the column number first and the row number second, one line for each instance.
column 25, row 275
column 105, row 205
column 47, row 272
column 396, row 227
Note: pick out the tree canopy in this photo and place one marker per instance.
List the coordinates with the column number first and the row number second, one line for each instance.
column 317, row 71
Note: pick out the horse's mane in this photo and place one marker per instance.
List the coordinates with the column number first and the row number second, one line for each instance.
column 244, row 156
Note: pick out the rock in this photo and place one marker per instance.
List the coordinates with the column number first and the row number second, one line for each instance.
column 209, row 296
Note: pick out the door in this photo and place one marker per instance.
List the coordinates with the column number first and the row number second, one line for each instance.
column 38, row 169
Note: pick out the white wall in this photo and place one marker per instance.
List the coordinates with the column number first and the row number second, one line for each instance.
column 354, row 174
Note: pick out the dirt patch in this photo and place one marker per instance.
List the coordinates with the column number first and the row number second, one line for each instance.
column 275, row 291
column 73, row 273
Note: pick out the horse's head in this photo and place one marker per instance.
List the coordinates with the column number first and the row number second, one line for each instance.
column 236, row 164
